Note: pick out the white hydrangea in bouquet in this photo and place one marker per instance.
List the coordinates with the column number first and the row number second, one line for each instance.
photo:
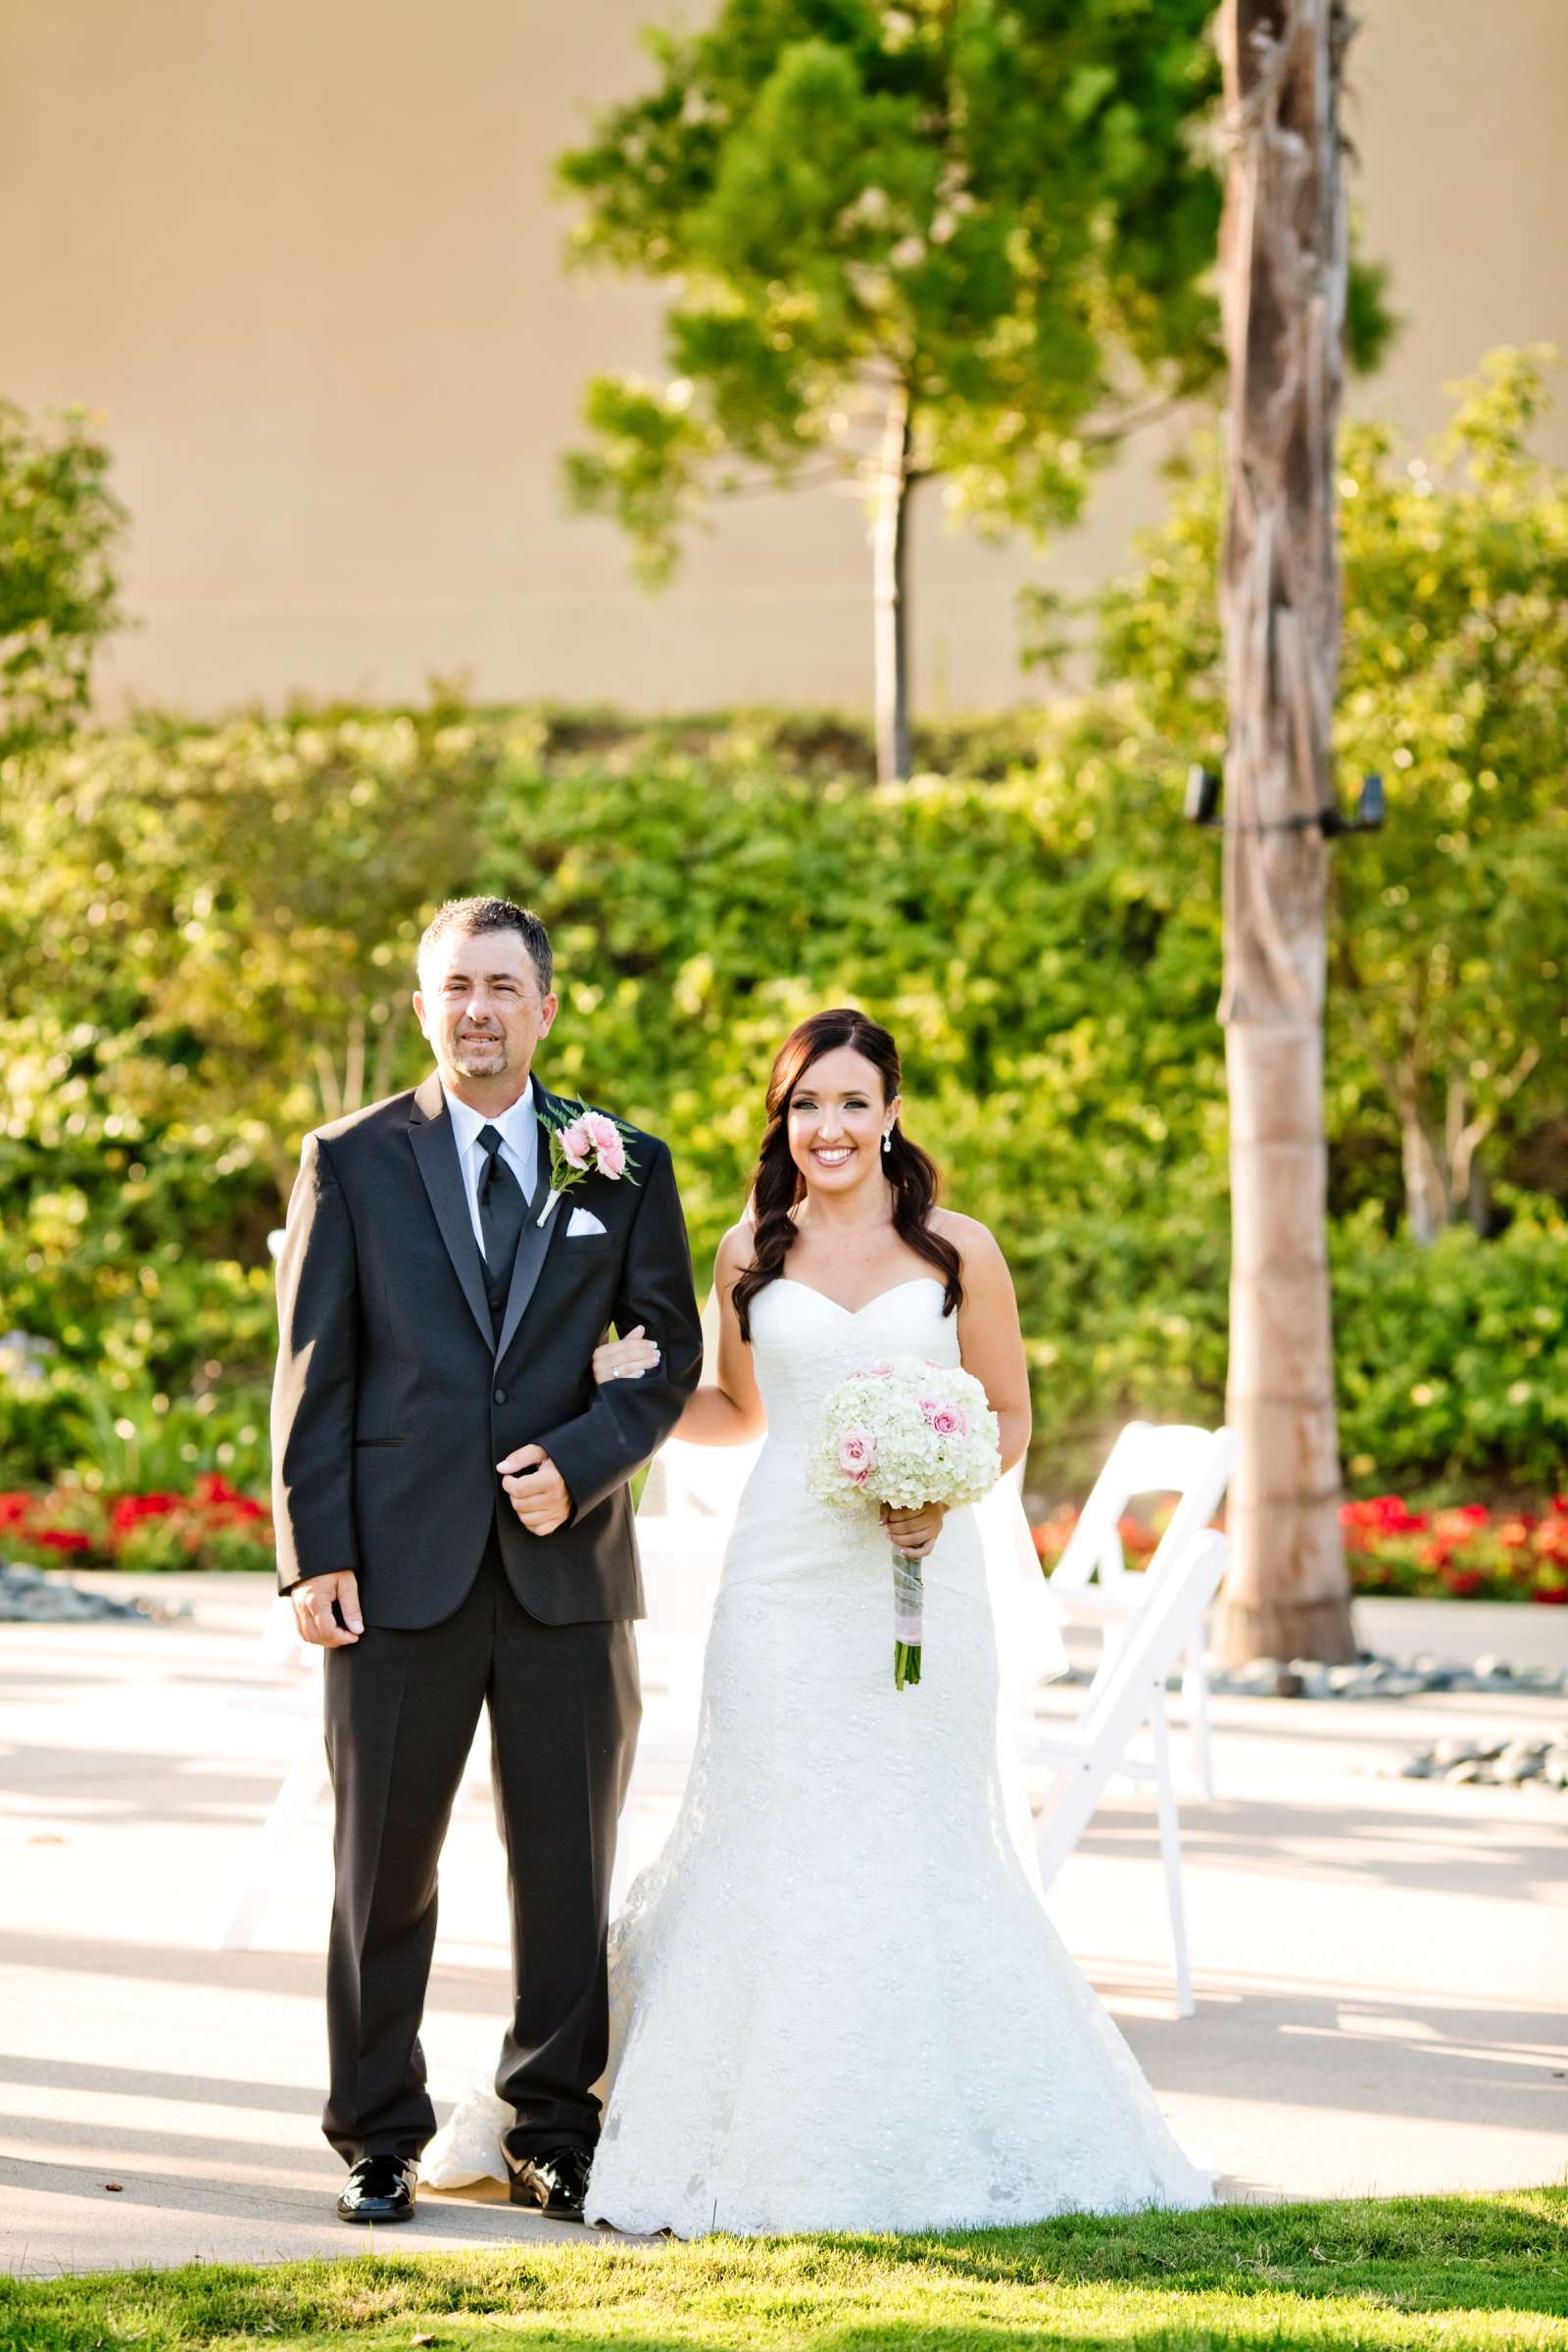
column 906, row 1432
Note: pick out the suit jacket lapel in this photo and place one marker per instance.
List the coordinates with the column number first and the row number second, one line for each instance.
column 436, row 1154
column 534, row 1243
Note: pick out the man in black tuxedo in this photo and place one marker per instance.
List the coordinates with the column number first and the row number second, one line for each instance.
column 455, row 1527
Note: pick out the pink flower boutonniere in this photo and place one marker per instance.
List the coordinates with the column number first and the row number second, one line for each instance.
column 589, row 1143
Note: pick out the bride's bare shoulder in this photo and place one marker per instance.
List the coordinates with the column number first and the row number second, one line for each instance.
column 979, row 1250
column 736, row 1250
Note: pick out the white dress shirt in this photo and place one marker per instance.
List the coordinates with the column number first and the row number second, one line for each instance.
column 518, row 1129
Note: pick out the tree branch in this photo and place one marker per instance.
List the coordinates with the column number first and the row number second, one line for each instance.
column 764, row 485
column 1107, row 436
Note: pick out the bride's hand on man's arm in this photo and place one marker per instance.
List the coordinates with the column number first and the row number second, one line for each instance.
column 711, row 1417
column 724, row 1413
column 626, row 1358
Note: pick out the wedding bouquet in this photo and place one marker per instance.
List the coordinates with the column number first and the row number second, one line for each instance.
column 906, row 1432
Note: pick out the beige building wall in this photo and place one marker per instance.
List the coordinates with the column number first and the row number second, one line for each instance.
column 304, row 258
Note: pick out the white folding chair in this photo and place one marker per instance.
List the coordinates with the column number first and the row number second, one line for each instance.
column 1194, row 1465
column 263, row 1855
column 268, row 1859
column 683, row 1523
column 1125, row 1698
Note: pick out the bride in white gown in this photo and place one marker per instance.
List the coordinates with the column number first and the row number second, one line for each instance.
column 837, row 2000
column 835, row 1997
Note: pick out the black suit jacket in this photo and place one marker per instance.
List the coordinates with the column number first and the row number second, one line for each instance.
column 393, row 1404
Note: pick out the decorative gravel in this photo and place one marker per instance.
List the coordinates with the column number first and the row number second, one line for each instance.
column 1501, row 1763
column 1538, row 1758
column 1378, row 1677
column 33, row 1597
column 1370, row 1676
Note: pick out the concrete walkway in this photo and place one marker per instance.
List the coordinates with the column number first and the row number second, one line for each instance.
column 1379, row 1963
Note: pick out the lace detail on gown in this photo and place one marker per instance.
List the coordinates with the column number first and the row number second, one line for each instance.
column 837, row 2002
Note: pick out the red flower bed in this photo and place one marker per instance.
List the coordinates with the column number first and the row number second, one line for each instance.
column 1139, row 1538
column 1467, row 1552
column 1463, row 1553
column 214, row 1526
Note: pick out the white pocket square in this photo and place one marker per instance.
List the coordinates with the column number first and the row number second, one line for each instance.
column 583, row 1220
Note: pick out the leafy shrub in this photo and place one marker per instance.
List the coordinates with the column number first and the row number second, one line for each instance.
column 59, row 598
column 1452, row 1360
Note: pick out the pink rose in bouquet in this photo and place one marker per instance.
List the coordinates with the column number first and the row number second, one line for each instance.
column 857, row 1456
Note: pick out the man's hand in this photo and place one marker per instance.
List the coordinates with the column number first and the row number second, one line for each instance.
column 313, row 1609
column 537, row 1489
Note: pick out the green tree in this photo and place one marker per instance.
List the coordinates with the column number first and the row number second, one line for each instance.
column 59, row 596
column 1447, row 941
column 215, row 928
column 945, row 239
column 206, row 946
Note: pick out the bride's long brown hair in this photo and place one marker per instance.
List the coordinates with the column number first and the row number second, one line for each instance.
column 777, row 1183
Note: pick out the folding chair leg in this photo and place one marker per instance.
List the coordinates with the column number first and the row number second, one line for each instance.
column 1194, row 1699
column 303, row 1784
column 1110, row 1647
column 1170, row 1846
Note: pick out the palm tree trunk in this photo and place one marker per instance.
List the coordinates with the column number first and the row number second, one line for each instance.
column 890, row 534
column 1284, row 270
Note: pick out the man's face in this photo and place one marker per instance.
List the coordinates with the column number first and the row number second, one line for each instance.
column 479, row 1004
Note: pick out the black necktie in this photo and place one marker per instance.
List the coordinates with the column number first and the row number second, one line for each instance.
column 503, row 1212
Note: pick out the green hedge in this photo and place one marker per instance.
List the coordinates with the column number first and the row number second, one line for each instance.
column 1452, row 1361
column 197, row 926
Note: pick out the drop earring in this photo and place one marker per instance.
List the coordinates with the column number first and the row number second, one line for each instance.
column 887, row 1141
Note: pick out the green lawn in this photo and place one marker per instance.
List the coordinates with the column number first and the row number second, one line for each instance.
column 1444, row 2273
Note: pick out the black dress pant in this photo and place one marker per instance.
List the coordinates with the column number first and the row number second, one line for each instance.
column 402, row 1708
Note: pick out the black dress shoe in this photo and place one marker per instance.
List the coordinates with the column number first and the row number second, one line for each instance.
column 552, row 2181
column 380, row 2189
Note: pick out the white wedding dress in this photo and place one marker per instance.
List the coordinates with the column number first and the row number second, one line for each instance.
column 837, row 2002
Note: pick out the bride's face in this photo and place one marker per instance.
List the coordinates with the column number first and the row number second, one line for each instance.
column 838, row 1117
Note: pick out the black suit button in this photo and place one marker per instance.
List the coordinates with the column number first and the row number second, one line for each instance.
column 501, row 1396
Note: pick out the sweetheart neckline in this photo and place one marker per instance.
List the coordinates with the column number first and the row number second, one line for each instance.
column 793, row 1282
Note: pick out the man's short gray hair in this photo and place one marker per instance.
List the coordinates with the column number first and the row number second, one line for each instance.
column 491, row 914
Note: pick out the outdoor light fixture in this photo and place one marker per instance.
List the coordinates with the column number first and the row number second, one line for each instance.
column 1369, row 812
column 1201, row 808
column 1203, row 796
